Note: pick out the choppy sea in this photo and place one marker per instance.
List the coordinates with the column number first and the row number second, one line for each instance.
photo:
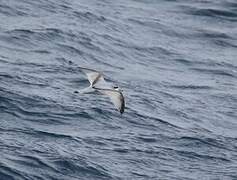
column 176, row 61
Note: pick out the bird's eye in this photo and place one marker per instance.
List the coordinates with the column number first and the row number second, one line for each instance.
column 115, row 87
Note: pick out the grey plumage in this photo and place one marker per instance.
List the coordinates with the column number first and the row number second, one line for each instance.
column 98, row 83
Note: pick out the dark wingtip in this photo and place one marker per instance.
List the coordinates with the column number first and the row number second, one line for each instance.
column 121, row 111
column 123, row 105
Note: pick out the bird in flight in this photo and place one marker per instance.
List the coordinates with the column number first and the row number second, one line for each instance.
column 98, row 84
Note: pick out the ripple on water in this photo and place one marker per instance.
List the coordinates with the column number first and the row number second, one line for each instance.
column 175, row 62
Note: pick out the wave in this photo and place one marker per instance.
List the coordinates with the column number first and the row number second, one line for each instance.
column 211, row 13
column 174, row 60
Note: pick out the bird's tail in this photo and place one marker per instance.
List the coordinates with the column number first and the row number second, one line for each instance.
column 87, row 90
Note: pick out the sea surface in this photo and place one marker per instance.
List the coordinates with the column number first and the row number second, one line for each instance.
column 176, row 61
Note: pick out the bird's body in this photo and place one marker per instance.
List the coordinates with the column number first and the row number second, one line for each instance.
column 98, row 83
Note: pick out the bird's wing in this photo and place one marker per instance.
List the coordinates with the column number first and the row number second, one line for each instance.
column 92, row 75
column 116, row 97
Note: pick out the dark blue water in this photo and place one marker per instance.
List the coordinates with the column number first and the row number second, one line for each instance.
column 176, row 61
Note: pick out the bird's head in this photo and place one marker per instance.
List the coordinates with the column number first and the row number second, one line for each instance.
column 117, row 88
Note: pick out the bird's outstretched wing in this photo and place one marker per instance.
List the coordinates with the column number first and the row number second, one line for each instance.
column 116, row 97
column 92, row 75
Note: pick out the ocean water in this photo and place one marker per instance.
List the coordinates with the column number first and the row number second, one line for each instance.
column 176, row 61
